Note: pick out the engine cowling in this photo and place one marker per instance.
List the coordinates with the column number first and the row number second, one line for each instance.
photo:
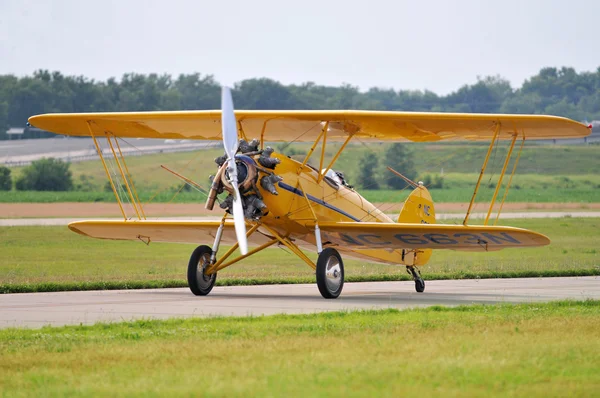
column 248, row 169
column 246, row 172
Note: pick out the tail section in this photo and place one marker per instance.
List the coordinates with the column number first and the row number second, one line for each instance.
column 418, row 209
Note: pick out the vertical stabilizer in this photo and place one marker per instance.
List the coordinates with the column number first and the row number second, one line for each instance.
column 418, row 209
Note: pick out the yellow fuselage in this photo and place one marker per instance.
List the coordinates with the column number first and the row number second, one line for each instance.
column 291, row 215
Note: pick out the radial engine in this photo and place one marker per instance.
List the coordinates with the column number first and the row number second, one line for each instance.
column 254, row 167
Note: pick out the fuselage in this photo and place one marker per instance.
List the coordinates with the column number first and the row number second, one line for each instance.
column 291, row 215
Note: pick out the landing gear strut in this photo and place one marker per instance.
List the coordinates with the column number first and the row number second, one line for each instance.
column 416, row 274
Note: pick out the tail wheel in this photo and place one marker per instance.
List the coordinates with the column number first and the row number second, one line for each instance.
column 200, row 284
column 420, row 285
column 330, row 273
column 416, row 274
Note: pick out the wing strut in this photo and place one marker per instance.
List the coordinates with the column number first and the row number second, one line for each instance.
column 507, row 160
column 512, row 145
column 512, row 174
column 337, row 155
column 485, row 162
column 126, row 179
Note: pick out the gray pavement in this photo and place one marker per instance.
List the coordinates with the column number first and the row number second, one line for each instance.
column 21, row 152
column 20, row 222
column 64, row 308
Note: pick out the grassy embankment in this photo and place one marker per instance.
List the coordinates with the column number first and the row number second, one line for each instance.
column 545, row 174
column 503, row 350
column 54, row 258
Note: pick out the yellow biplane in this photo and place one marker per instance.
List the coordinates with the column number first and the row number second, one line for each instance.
column 273, row 199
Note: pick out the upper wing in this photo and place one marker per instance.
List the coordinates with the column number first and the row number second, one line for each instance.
column 369, row 235
column 307, row 125
column 162, row 231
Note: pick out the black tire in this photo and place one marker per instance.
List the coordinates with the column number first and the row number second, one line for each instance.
column 419, row 285
column 330, row 273
column 200, row 284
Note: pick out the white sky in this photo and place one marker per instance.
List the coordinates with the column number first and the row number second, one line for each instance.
column 435, row 44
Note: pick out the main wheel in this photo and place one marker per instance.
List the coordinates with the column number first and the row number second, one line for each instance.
column 330, row 273
column 200, row 283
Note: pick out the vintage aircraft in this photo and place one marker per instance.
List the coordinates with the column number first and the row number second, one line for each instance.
column 274, row 199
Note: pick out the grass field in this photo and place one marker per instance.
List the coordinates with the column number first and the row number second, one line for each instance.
column 546, row 173
column 546, row 193
column 428, row 158
column 504, row 350
column 54, row 258
column 458, row 189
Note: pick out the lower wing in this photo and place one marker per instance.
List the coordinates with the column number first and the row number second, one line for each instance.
column 365, row 235
column 352, row 235
column 162, row 231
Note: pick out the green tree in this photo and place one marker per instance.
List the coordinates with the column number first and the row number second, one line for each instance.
column 3, row 117
column 367, row 170
column 485, row 96
column 561, row 91
column 197, row 92
column 46, row 174
column 398, row 157
column 5, row 179
column 263, row 94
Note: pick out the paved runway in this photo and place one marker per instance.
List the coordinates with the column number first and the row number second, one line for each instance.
column 19, row 152
column 22, row 222
column 39, row 309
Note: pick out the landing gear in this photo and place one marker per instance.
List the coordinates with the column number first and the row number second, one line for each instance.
column 330, row 273
column 200, row 283
column 416, row 274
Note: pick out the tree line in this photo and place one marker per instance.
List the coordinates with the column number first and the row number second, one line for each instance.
column 556, row 91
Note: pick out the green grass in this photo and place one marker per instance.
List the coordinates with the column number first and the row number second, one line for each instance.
column 548, row 194
column 54, row 258
column 80, row 196
column 546, row 173
column 502, row 350
column 484, row 195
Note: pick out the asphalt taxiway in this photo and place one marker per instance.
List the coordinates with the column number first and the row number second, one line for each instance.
column 74, row 308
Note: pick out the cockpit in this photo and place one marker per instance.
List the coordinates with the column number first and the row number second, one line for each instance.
column 337, row 177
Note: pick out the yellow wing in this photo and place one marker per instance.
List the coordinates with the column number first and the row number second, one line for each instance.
column 306, row 125
column 352, row 235
column 198, row 232
column 369, row 235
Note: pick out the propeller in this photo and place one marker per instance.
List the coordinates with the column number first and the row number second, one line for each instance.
column 230, row 142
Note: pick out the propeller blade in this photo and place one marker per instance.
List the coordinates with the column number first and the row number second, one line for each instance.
column 228, row 123
column 239, row 222
column 230, row 143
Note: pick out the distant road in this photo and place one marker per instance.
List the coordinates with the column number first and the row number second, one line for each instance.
column 73, row 308
column 21, row 152
column 16, row 222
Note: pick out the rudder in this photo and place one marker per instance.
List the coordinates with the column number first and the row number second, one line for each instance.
column 418, row 209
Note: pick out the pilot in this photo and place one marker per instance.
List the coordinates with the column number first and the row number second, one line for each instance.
column 337, row 177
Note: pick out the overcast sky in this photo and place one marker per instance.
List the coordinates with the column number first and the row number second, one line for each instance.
column 435, row 44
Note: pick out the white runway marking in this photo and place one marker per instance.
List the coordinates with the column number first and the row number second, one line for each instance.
column 74, row 308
